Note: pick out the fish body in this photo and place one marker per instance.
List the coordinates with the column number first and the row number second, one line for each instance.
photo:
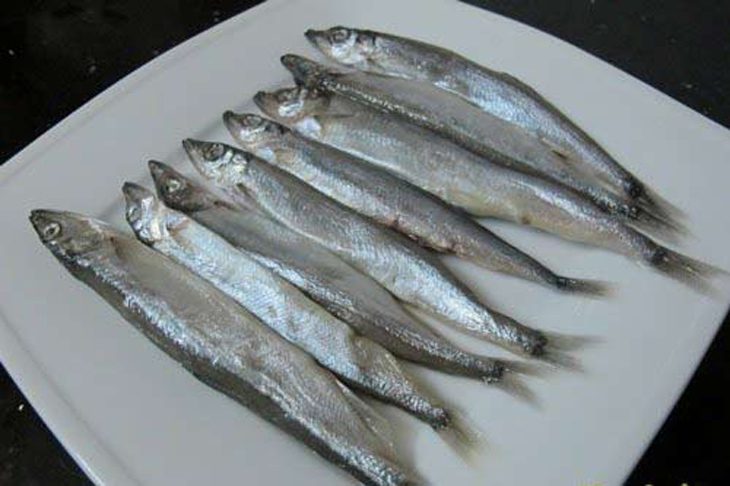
column 481, row 187
column 388, row 199
column 439, row 166
column 497, row 93
column 358, row 361
column 427, row 106
column 486, row 135
column 223, row 345
column 344, row 291
column 408, row 271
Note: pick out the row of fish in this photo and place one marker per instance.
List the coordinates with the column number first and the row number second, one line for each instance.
column 303, row 286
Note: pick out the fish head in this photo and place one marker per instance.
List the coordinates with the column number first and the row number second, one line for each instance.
column 291, row 105
column 217, row 162
column 179, row 192
column 305, row 71
column 145, row 213
column 253, row 132
column 352, row 47
column 71, row 237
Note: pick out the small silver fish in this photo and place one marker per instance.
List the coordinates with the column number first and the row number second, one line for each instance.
column 455, row 174
column 488, row 189
column 494, row 92
column 344, row 291
column 408, row 271
column 223, row 345
column 390, row 200
column 358, row 361
column 467, row 125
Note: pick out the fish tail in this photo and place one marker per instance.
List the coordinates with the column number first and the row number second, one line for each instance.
column 591, row 287
column 558, row 348
column 656, row 205
column 514, row 385
column 663, row 226
column 463, row 437
column 522, row 368
column 684, row 269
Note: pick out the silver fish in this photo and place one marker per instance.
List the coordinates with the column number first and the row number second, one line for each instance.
column 344, row 291
column 481, row 187
column 390, row 200
column 223, row 345
column 358, row 361
column 455, row 174
column 494, row 92
column 488, row 136
column 401, row 266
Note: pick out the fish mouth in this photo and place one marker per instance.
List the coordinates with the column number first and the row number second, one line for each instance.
column 314, row 36
column 232, row 120
column 303, row 70
column 290, row 61
column 266, row 102
column 157, row 169
column 235, row 126
column 193, row 148
column 134, row 193
column 190, row 147
column 261, row 99
column 196, row 150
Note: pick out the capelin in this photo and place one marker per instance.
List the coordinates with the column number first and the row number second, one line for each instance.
column 178, row 192
column 68, row 235
column 144, row 213
column 352, row 47
column 252, row 131
column 304, row 71
column 290, row 105
column 217, row 161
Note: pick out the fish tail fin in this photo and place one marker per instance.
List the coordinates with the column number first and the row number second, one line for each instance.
column 558, row 348
column 596, row 288
column 463, row 437
column 685, row 269
column 665, row 227
column 514, row 385
column 522, row 368
column 656, row 204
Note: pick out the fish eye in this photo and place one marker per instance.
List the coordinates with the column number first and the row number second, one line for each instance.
column 172, row 185
column 213, row 151
column 51, row 230
column 339, row 35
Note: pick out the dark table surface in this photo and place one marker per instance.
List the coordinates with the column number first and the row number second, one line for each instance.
column 55, row 55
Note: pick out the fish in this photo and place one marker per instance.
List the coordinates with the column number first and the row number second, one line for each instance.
column 344, row 291
column 407, row 270
column 435, row 164
column 224, row 346
column 482, row 133
column 391, row 201
column 497, row 93
column 357, row 361
column 481, row 188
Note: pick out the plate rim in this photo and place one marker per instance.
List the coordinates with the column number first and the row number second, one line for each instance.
column 81, row 442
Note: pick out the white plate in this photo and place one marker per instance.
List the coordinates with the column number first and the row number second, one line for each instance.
column 128, row 414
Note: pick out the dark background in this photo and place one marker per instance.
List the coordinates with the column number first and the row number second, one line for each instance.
column 55, row 55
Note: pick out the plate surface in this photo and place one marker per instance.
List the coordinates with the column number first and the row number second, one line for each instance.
column 128, row 414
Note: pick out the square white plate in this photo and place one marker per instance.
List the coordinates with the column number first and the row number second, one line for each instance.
column 129, row 414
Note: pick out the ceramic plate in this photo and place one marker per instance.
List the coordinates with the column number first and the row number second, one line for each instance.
column 128, row 414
